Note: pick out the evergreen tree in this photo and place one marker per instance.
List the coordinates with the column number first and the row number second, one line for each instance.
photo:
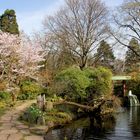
column 8, row 22
column 131, row 59
column 104, row 56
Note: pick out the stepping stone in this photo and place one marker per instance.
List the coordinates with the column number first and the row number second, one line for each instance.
column 7, row 125
column 6, row 118
column 17, row 123
column 3, row 137
column 10, row 131
column 21, row 126
column 25, row 132
column 33, row 137
column 17, row 136
column 39, row 130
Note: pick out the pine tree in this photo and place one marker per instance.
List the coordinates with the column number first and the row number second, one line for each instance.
column 104, row 56
column 8, row 22
column 131, row 59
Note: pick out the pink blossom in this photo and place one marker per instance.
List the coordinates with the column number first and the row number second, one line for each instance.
column 19, row 56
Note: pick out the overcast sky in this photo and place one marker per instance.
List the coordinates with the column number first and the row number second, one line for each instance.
column 30, row 13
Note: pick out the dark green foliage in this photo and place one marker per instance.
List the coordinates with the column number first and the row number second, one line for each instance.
column 71, row 83
column 104, row 56
column 32, row 114
column 4, row 95
column 118, row 89
column 8, row 22
column 134, row 84
column 29, row 90
column 100, row 82
column 132, row 60
column 78, row 85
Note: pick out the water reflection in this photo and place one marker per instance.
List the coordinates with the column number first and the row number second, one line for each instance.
column 134, row 121
column 126, row 127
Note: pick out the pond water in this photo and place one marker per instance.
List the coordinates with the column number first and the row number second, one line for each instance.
column 125, row 127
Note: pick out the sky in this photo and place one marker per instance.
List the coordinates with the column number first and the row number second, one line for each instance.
column 30, row 13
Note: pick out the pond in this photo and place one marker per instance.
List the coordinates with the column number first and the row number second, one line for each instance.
column 125, row 127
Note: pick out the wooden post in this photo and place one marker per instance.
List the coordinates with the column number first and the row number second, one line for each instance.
column 124, row 87
column 43, row 100
column 39, row 101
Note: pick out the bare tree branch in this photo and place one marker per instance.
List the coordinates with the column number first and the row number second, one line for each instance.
column 79, row 27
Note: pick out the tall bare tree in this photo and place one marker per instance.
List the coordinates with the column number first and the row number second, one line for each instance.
column 127, row 19
column 79, row 27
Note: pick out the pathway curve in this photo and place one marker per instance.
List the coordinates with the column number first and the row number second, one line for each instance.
column 12, row 129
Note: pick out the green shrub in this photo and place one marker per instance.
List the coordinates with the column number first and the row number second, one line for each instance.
column 2, row 104
column 29, row 90
column 78, row 85
column 4, row 95
column 100, row 82
column 71, row 83
column 58, row 116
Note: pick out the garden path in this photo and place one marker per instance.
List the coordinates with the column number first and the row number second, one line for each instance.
column 12, row 129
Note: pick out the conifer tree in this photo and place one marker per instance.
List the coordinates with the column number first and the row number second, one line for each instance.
column 131, row 59
column 8, row 22
column 104, row 56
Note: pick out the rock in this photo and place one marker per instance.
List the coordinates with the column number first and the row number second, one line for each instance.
column 41, row 120
column 25, row 116
column 17, row 136
column 17, row 122
column 25, row 132
column 22, row 126
column 33, row 137
column 7, row 125
column 50, row 124
column 39, row 130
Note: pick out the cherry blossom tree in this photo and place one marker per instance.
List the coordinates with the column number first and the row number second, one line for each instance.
column 19, row 57
column 8, row 56
column 31, row 55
